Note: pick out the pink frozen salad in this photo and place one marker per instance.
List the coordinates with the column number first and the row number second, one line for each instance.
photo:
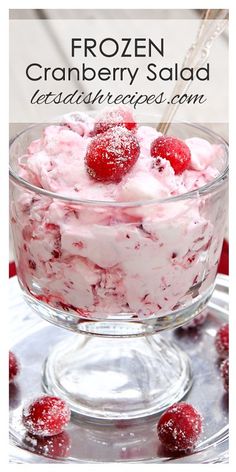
column 118, row 243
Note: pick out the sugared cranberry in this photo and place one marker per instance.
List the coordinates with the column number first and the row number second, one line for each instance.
column 224, row 370
column 111, row 155
column 222, row 341
column 46, row 416
column 14, row 366
column 174, row 150
column 53, row 446
column 119, row 116
column 179, row 427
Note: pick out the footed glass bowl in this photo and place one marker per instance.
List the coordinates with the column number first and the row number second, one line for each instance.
column 116, row 274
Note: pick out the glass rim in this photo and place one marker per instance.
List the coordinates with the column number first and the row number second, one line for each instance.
column 203, row 190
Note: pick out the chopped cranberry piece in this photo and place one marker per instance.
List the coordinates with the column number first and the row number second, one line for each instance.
column 32, row 264
column 78, row 244
column 52, row 227
column 56, row 253
column 191, row 259
column 27, row 233
column 55, row 230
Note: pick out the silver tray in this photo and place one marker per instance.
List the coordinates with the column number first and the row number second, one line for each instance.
column 31, row 338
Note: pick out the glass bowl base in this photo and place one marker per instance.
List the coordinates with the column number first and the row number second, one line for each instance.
column 122, row 324
column 117, row 379
column 135, row 441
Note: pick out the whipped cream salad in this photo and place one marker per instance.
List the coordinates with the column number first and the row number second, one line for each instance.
column 122, row 234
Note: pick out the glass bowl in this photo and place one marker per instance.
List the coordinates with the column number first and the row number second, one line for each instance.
column 117, row 274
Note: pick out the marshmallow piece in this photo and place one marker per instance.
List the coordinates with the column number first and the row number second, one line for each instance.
column 201, row 153
column 142, row 187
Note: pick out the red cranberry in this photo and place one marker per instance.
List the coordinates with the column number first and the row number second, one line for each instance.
column 111, row 155
column 174, row 150
column 222, row 341
column 224, row 370
column 179, row 427
column 14, row 366
column 46, row 416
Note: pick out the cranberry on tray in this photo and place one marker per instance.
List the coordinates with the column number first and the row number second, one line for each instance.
column 222, row 341
column 179, row 427
column 46, row 416
column 14, row 366
column 224, row 370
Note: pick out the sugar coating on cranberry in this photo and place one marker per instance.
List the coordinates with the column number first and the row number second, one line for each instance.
column 111, row 155
column 57, row 446
column 174, row 150
column 179, row 427
column 14, row 366
column 46, row 416
column 222, row 341
column 224, row 371
column 109, row 118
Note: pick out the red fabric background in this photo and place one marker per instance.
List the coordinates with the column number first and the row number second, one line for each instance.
column 223, row 265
